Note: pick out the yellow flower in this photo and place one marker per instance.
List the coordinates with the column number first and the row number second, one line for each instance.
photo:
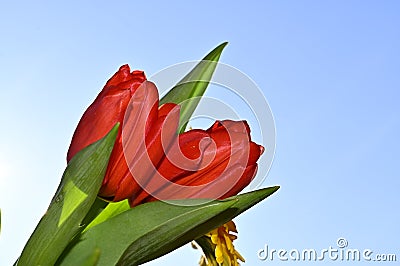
column 222, row 238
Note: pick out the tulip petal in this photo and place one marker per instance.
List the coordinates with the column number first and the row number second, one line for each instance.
column 107, row 109
column 186, row 156
column 97, row 121
column 160, row 136
column 247, row 176
column 118, row 182
column 191, row 146
column 124, row 74
column 222, row 169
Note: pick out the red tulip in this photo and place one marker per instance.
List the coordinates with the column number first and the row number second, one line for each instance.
column 110, row 107
column 106, row 110
column 149, row 160
column 222, row 161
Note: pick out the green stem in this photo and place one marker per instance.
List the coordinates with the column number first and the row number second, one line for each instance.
column 208, row 249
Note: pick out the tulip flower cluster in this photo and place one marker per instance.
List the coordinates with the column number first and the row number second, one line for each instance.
column 150, row 161
column 129, row 148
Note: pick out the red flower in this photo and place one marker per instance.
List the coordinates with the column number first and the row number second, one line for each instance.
column 214, row 163
column 109, row 108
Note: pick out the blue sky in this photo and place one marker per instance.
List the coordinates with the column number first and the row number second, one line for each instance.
column 329, row 70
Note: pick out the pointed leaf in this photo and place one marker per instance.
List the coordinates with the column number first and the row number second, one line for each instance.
column 163, row 221
column 189, row 90
column 75, row 195
column 150, row 247
column 153, row 229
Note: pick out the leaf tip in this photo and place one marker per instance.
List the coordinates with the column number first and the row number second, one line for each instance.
column 215, row 54
column 222, row 45
column 116, row 127
column 276, row 187
column 113, row 133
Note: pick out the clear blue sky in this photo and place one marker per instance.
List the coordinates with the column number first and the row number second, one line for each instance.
column 329, row 69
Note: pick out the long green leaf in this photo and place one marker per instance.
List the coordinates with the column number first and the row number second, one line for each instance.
column 153, row 229
column 115, row 235
column 135, row 255
column 75, row 195
column 189, row 90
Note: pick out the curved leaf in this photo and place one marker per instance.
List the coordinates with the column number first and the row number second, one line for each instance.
column 159, row 219
column 189, row 90
column 135, row 255
column 153, row 229
column 75, row 195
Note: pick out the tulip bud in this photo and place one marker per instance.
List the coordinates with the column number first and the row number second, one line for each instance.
column 124, row 90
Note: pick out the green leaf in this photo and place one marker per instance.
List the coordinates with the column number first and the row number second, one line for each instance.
column 112, row 209
column 115, row 235
column 89, row 258
column 188, row 92
column 153, row 229
column 74, row 198
column 241, row 203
